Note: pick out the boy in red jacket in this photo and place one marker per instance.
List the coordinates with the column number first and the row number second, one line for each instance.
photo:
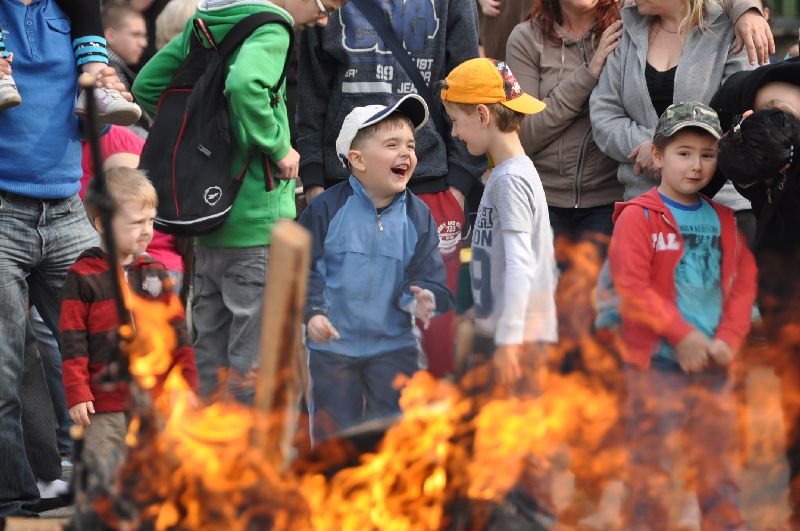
column 687, row 283
column 89, row 319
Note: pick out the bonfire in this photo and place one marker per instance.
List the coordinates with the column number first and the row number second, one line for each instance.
column 463, row 455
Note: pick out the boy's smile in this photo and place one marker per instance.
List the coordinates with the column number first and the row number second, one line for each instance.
column 385, row 162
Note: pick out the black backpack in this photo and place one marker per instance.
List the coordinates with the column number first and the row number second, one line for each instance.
column 188, row 154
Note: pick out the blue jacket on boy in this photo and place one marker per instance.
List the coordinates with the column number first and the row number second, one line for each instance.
column 363, row 264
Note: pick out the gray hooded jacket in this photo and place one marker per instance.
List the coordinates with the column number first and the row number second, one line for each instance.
column 621, row 111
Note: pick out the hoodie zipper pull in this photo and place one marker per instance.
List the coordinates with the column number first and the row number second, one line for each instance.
column 378, row 221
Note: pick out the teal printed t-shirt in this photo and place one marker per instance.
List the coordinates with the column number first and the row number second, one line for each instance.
column 698, row 274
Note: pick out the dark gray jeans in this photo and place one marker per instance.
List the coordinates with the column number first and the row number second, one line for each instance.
column 669, row 412
column 227, row 303
column 39, row 241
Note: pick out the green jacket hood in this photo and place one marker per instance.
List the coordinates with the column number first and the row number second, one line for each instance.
column 222, row 13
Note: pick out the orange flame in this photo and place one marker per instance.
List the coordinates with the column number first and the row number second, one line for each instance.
column 193, row 466
column 196, row 468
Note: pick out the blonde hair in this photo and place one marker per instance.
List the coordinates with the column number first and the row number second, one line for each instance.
column 172, row 19
column 124, row 184
column 696, row 11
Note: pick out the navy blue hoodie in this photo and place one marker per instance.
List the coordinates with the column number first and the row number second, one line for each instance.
column 346, row 64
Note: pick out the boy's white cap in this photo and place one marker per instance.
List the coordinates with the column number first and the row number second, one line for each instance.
column 412, row 105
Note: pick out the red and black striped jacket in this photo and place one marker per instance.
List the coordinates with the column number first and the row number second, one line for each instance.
column 89, row 323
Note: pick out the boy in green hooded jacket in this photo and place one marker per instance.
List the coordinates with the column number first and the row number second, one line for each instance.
column 230, row 263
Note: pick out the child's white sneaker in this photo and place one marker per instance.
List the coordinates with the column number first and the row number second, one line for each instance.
column 609, row 511
column 690, row 518
column 52, row 489
column 112, row 108
column 9, row 95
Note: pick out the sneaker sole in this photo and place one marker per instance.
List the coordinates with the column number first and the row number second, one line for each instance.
column 121, row 117
column 11, row 101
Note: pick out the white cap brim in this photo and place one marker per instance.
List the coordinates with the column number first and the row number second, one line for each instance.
column 412, row 105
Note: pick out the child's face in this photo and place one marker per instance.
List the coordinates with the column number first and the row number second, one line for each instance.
column 470, row 128
column 687, row 164
column 385, row 161
column 129, row 40
column 133, row 228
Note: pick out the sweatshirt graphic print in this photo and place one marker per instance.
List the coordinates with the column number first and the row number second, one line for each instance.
column 414, row 21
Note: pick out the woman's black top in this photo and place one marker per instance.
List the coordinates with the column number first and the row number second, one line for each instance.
column 661, row 86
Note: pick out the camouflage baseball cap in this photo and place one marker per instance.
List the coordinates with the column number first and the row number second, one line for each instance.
column 688, row 114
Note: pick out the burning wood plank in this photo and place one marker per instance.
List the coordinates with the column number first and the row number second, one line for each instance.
column 282, row 374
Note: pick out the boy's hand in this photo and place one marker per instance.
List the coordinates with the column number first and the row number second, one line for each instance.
column 290, row 165
column 320, row 329
column 426, row 306
column 692, row 351
column 506, row 363
column 720, row 352
column 458, row 195
column 79, row 413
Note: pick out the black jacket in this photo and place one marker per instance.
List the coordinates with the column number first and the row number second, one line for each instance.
column 778, row 227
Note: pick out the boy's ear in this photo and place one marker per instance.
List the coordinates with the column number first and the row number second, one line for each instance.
column 98, row 224
column 109, row 34
column 356, row 160
column 484, row 114
column 658, row 157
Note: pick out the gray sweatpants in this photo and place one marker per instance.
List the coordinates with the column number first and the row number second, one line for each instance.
column 104, row 449
column 227, row 301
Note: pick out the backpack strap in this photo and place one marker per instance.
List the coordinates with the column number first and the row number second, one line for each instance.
column 201, row 30
column 242, row 30
column 379, row 21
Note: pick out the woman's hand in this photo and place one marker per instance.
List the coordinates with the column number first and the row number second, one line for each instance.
column 609, row 41
column 642, row 155
column 753, row 33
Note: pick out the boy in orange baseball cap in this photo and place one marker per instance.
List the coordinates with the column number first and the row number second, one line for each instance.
column 513, row 266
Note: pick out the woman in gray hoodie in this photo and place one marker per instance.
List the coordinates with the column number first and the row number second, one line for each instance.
column 671, row 51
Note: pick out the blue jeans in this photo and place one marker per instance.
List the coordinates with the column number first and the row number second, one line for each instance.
column 668, row 412
column 346, row 391
column 51, row 362
column 581, row 223
column 581, row 239
column 39, row 241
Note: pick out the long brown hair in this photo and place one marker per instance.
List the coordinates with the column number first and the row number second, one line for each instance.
column 548, row 13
